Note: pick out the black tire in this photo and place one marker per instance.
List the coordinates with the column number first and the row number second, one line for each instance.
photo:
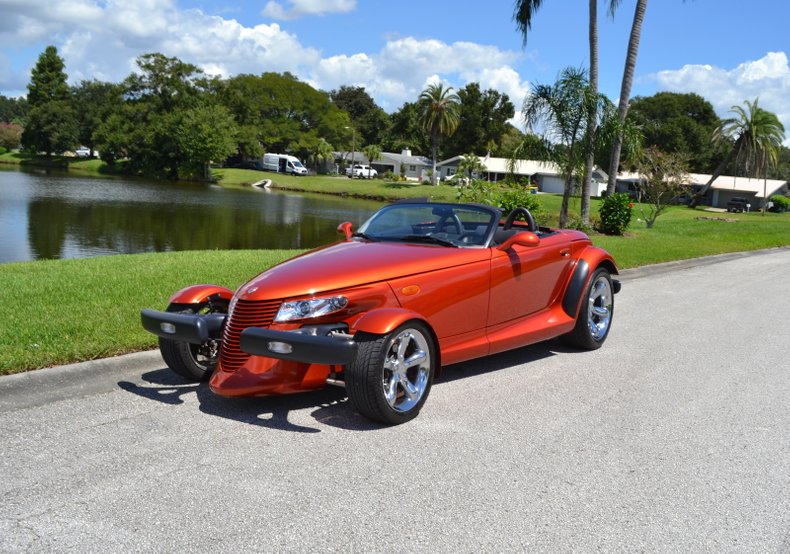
column 595, row 314
column 193, row 362
column 372, row 386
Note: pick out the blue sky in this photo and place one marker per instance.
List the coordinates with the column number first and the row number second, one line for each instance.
column 727, row 51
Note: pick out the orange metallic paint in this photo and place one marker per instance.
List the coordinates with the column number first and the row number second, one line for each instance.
column 197, row 294
column 476, row 301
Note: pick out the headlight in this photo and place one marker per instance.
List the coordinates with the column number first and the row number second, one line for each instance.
column 312, row 307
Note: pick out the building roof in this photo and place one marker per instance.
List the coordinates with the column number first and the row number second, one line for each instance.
column 724, row 183
column 500, row 165
column 405, row 157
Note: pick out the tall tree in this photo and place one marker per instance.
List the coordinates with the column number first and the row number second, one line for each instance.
column 562, row 111
column 52, row 124
column 439, row 117
column 625, row 88
column 406, row 131
column 13, row 110
column 524, row 12
column 372, row 153
column 755, row 136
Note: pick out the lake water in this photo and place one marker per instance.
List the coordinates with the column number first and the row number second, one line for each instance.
column 46, row 215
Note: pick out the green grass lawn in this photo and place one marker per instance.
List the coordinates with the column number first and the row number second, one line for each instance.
column 60, row 311
column 377, row 189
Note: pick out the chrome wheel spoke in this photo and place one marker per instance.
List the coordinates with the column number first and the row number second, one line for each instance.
column 599, row 311
column 418, row 358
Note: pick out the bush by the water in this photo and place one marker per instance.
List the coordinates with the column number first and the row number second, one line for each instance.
column 781, row 203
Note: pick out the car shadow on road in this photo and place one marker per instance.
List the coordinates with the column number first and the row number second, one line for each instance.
column 330, row 405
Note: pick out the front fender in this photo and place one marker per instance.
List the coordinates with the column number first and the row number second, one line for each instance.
column 198, row 294
column 383, row 321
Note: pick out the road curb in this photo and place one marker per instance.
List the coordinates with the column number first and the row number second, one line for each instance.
column 666, row 267
column 42, row 386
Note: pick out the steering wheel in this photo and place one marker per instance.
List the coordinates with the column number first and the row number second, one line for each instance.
column 452, row 219
column 515, row 213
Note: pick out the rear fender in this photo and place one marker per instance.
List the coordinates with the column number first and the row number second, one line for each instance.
column 590, row 259
column 200, row 294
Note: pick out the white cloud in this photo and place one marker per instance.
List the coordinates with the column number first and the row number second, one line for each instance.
column 100, row 39
column 300, row 8
column 767, row 78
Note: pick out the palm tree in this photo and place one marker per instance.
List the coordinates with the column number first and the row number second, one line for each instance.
column 469, row 164
column 756, row 137
column 563, row 111
column 625, row 88
column 524, row 11
column 321, row 151
column 439, row 116
column 372, row 153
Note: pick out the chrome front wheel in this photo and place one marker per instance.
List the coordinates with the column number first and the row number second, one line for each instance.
column 392, row 374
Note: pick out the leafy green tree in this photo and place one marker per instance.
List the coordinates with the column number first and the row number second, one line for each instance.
column 283, row 114
column 755, row 137
column 52, row 124
column 406, row 131
column 205, row 134
column 439, row 117
column 677, row 123
column 370, row 121
column 483, row 121
column 561, row 111
column 13, row 110
column 94, row 101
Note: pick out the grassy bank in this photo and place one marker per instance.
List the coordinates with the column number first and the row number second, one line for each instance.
column 61, row 311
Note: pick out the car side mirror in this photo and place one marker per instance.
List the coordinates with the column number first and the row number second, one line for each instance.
column 523, row 238
column 346, row 228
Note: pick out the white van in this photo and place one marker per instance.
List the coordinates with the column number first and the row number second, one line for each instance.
column 283, row 163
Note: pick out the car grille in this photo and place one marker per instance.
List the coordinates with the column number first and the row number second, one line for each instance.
column 247, row 313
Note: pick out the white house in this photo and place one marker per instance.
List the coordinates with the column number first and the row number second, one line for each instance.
column 546, row 175
column 723, row 189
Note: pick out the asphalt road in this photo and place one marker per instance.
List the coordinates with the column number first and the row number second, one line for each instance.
column 675, row 436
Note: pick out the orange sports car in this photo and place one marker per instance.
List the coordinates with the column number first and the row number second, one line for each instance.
column 419, row 286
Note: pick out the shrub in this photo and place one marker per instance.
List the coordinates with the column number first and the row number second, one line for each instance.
column 506, row 198
column 615, row 213
column 3, row 150
column 781, row 203
column 512, row 197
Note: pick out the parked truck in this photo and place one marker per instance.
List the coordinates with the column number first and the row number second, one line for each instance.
column 283, row 163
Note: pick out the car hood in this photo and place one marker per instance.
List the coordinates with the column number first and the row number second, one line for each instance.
column 351, row 263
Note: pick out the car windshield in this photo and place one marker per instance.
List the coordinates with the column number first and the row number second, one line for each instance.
column 452, row 225
column 297, row 163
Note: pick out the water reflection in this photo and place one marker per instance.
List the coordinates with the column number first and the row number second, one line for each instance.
column 46, row 216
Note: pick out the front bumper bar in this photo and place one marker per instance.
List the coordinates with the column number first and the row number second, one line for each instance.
column 192, row 328
column 298, row 346
column 312, row 344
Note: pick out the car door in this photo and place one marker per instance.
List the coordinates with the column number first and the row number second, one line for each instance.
column 527, row 279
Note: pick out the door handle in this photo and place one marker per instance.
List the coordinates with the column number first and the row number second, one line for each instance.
column 565, row 252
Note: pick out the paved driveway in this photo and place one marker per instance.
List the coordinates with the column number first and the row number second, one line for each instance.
column 673, row 437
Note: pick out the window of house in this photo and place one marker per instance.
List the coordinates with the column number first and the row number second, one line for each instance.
column 412, row 168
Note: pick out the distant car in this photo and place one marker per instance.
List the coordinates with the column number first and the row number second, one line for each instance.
column 419, row 286
column 83, row 152
column 738, row 204
column 361, row 171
